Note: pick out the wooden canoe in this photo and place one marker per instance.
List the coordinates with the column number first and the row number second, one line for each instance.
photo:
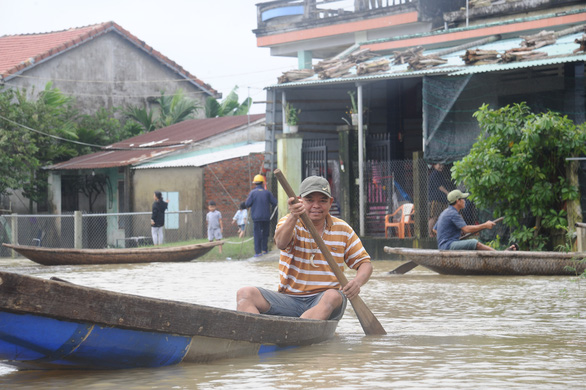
column 155, row 254
column 53, row 324
column 494, row 262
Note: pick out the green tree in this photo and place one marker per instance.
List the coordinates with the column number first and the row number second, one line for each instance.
column 28, row 138
column 517, row 169
column 228, row 107
column 170, row 110
column 102, row 128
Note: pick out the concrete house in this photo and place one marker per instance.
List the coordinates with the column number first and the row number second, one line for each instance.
column 414, row 71
column 191, row 162
column 101, row 65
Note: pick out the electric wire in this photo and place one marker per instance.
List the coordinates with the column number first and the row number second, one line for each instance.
column 102, row 147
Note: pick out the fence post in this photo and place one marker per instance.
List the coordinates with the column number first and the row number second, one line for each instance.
column 77, row 230
column 14, row 232
column 419, row 198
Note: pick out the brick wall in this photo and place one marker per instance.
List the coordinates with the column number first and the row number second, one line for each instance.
column 228, row 183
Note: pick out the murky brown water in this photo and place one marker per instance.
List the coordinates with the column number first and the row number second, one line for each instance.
column 444, row 332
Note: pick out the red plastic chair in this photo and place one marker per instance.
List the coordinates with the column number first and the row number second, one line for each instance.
column 403, row 217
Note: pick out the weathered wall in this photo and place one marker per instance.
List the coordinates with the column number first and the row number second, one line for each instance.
column 187, row 181
column 228, row 183
column 107, row 71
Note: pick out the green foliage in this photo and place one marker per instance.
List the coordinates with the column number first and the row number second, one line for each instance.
column 171, row 110
column 354, row 105
column 517, row 168
column 142, row 117
column 26, row 151
column 228, row 107
column 291, row 114
column 101, row 128
column 33, row 134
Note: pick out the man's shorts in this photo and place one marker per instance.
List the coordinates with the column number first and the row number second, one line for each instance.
column 295, row 306
column 464, row 245
column 214, row 234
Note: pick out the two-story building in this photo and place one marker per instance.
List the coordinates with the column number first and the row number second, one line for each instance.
column 418, row 70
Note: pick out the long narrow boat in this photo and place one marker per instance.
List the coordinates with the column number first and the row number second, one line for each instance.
column 494, row 262
column 70, row 256
column 53, row 324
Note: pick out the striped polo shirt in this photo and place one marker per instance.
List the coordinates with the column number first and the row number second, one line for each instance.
column 298, row 276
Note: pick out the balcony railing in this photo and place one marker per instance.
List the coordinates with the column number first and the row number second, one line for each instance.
column 300, row 10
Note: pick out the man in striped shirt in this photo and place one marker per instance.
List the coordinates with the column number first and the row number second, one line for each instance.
column 308, row 288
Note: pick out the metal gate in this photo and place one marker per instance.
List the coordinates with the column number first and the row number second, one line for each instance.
column 314, row 158
column 378, row 182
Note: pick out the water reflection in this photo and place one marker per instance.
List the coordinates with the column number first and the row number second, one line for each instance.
column 443, row 332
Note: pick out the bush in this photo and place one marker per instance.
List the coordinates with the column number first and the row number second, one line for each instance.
column 517, row 168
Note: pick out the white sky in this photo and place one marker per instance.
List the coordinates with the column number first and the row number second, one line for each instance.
column 211, row 39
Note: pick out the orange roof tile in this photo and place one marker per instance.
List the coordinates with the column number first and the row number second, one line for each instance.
column 19, row 52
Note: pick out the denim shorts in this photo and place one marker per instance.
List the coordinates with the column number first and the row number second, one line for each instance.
column 294, row 306
column 464, row 245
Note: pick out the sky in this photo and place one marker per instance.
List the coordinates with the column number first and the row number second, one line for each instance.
column 211, row 39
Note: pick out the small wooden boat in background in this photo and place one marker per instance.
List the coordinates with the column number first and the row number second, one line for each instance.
column 494, row 262
column 51, row 324
column 155, row 254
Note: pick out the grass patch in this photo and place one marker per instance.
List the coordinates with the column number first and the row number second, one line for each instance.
column 234, row 248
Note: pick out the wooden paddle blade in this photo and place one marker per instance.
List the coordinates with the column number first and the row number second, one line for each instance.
column 404, row 268
column 368, row 321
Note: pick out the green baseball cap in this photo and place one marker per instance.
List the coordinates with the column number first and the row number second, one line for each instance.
column 453, row 196
column 315, row 184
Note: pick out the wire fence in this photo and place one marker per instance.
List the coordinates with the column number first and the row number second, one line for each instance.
column 388, row 185
column 97, row 231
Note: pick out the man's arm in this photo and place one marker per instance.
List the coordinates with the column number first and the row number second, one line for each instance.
column 477, row 228
column 285, row 232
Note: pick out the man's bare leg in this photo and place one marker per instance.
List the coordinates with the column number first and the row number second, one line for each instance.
column 250, row 300
column 325, row 307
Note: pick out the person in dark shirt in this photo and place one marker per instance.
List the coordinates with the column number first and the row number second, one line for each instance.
column 450, row 226
column 158, row 218
column 259, row 201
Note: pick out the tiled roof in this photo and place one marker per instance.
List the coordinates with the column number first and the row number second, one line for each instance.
column 158, row 143
column 19, row 52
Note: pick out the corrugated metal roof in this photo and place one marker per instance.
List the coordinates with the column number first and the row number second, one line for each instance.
column 559, row 52
column 157, row 143
column 209, row 156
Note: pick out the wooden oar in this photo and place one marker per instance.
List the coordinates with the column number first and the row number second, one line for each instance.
column 368, row 321
column 408, row 266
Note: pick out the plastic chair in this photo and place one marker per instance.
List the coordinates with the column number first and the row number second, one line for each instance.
column 404, row 217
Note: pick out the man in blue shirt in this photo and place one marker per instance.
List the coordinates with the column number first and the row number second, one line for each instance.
column 260, row 200
column 450, row 226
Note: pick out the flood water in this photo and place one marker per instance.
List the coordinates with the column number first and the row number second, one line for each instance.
column 444, row 332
